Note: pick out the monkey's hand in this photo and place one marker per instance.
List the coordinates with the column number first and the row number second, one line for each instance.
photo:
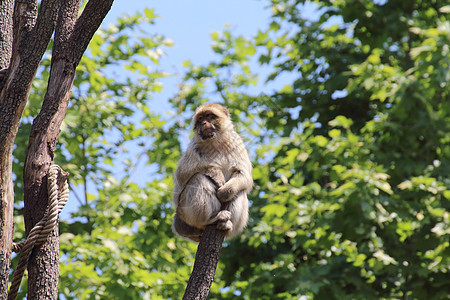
column 216, row 175
column 240, row 182
column 226, row 192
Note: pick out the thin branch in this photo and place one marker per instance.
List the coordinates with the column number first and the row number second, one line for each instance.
column 87, row 24
column 85, row 172
column 67, row 18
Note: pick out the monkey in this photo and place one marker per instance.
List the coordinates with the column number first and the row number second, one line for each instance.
column 213, row 177
column 202, row 186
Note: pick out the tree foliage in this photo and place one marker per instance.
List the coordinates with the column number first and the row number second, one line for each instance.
column 349, row 141
column 351, row 194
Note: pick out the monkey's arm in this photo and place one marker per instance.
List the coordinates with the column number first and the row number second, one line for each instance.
column 240, row 181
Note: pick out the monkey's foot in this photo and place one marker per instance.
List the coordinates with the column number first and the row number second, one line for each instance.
column 223, row 216
column 227, row 226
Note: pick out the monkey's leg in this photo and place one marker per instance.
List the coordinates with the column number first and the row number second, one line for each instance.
column 239, row 214
column 224, row 215
column 198, row 202
column 186, row 230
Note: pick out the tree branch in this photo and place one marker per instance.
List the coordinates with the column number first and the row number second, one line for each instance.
column 67, row 18
column 6, row 36
column 206, row 259
column 91, row 18
column 32, row 34
column 208, row 251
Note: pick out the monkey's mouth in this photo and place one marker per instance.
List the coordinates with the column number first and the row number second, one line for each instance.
column 207, row 133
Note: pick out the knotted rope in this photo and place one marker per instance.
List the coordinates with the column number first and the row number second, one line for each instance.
column 58, row 194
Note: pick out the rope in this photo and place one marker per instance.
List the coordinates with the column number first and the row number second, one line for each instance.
column 58, row 194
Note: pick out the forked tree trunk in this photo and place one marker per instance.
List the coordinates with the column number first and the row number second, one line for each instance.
column 32, row 33
column 15, row 85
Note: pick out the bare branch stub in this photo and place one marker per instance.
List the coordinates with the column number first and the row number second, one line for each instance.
column 206, row 259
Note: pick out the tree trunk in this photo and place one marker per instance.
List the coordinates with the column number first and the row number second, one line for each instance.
column 6, row 185
column 43, row 269
column 24, row 37
column 71, row 39
column 25, row 52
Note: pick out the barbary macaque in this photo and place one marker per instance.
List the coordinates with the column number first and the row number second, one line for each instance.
column 213, row 177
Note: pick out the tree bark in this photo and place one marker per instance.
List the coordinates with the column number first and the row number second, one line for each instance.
column 43, row 269
column 24, row 37
column 6, row 198
column 71, row 39
column 6, row 37
column 206, row 259
column 6, row 205
column 25, row 52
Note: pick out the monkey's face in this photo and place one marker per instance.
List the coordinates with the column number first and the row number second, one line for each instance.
column 207, row 125
column 211, row 121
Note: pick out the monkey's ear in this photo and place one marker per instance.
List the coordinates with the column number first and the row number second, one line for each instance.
column 225, row 110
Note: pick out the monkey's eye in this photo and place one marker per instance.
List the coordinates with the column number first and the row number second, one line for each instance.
column 211, row 117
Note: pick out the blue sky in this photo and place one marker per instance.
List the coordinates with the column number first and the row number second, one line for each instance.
column 190, row 23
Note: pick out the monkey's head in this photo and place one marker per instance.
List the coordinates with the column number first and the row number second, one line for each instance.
column 211, row 121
